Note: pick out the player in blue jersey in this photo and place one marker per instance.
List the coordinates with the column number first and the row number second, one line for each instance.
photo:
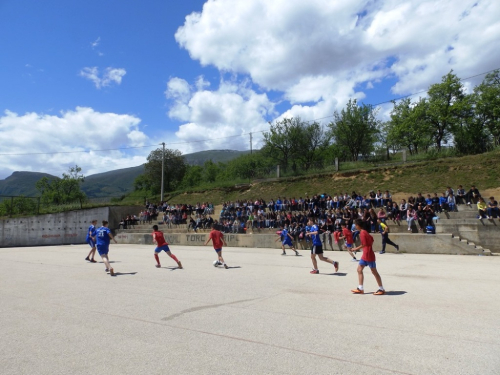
column 103, row 235
column 317, row 248
column 91, row 241
column 286, row 239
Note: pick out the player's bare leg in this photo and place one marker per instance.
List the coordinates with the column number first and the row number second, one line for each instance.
column 105, row 259
column 179, row 264
column 221, row 259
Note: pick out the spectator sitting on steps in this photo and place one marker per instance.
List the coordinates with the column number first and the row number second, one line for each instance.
column 472, row 195
column 481, row 208
column 493, row 210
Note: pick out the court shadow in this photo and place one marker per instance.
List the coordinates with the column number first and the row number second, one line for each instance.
column 395, row 292
column 124, row 273
column 334, row 274
column 229, row 268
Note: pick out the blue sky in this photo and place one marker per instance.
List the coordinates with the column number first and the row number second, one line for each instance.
column 80, row 76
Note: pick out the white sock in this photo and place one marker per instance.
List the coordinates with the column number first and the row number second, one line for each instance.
column 381, row 287
column 360, row 287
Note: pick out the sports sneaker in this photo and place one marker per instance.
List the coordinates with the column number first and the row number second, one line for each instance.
column 283, row 253
column 225, row 266
column 382, row 252
column 87, row 259
column 379, row 292
column 314, row 272
column 397, row 248
column 112, row 272
column 180, row 265
column 354, row 260
column 296, row 253
column 93, row 261
column 158, row 266
column 106, row 270
column 336, row 265
column 358, row 291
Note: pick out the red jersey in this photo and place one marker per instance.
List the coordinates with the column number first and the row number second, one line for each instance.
column 216, row 237
column 367, row 242
column 347, row 234
column 158, row 237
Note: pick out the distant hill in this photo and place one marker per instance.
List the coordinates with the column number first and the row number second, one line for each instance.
column 22, row 183
column 223, row 156
column 113, row 183
column 107, row 184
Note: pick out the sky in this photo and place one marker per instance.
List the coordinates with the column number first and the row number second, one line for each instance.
column 100, row 84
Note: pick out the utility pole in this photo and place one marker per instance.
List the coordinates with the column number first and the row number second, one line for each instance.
column 162, row 169
column 250, row 143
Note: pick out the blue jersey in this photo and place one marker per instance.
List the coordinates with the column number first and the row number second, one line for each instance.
column 103, row 236
column 90, row 232
column 316, row 240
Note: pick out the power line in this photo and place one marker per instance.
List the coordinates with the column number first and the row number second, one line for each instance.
column 228, row 137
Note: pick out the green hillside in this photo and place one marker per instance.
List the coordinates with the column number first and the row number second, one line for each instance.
column 223, row 156
column 427, row 177
column 22, row 183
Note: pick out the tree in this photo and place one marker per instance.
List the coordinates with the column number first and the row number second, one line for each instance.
column 175, row 168
column 283, row 140
column 193, row 176
column 444, row 108
column 62, row 190
column 487, row 104
column 250, row 166
column 408, row 126
column 355, row 129
column 313, row 143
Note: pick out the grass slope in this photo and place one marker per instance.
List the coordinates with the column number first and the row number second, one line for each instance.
column 426, row 177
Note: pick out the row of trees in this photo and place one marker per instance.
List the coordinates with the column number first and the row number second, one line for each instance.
column 448, row 116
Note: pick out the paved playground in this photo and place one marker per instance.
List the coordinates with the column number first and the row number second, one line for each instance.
column 264, row 315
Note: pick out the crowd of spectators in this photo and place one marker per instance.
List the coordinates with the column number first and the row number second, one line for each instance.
column 329, row 211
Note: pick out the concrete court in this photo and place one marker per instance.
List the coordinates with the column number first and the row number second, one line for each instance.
column 265, row 315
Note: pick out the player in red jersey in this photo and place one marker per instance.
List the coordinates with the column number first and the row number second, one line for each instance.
column 217, row 240
column 349, row 242
column 367, row 259
column 162, row 245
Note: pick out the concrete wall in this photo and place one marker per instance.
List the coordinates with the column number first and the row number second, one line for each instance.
column 54, row 229
column 409, row 243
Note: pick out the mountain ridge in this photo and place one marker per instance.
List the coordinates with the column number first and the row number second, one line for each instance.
column 114, row 183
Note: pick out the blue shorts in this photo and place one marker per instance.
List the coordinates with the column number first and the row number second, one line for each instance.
column 159, row 249
column 287, row 242
column 218, row 250
column 91, row 242
column 364, row 263
column 103, row 249
column 348, row 245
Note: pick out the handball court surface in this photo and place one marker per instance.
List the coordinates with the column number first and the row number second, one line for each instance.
column 264, row 315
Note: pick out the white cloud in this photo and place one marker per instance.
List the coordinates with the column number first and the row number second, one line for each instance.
column 81, row 129
column 231, row 110
column 320, row 53
column 110, row 75
column 96, row 42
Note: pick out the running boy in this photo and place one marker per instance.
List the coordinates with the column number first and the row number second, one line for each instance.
column 103, row 235
column 162, row 245
column 91, row 241
column 217, row 240
column 317, row 248
column 286, row 239
column 349, row 242
column 384, row 231
column 367, row 259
